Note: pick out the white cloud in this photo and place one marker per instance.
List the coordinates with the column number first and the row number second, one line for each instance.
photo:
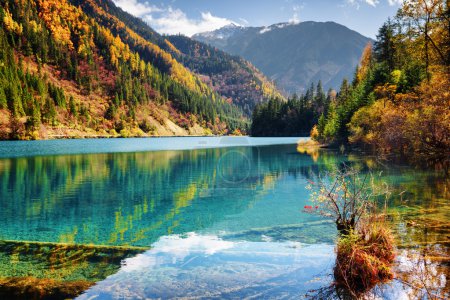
column 295, row 17
column 373, row 3
column 357, row 3
column 137, row 8
column 244, row 21
column 168, row 20
column 174, row 21
column 395, row 2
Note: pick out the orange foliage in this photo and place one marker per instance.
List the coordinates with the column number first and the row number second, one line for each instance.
column 177, row 71
column 417, row 122
column 365, row 63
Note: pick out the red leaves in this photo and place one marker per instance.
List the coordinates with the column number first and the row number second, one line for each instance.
column 311, row 182
column 309, row 208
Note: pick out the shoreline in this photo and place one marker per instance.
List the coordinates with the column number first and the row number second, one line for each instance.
column 14, row 149
column 106, row 137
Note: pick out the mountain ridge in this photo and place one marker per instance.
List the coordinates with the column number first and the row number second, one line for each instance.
column 325, row 51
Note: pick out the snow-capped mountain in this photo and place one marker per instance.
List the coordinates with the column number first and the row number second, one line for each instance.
column 294, row 55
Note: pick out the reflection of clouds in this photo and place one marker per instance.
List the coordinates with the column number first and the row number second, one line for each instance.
column 177, row 245
column 195, row 266
column 417, row 277
column 179, row 248
column 141, row 261
column 424, row 273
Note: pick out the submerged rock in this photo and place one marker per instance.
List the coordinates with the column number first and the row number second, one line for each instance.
column 37, row 288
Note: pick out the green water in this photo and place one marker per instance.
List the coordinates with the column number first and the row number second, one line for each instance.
column 222, row 218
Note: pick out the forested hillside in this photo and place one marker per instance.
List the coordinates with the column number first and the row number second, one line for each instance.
column 67, row 73
column 232, row 77
column 399, row 100
column 295, row 117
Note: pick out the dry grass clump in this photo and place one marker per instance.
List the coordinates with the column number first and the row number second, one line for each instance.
column 364, row 258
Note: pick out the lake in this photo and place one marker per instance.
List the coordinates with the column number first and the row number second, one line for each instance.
column 202, row 217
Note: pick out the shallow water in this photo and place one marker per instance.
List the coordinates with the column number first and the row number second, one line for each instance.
column 220, row 219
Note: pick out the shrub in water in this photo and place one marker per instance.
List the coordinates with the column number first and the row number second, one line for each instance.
column 365, row 250
column 364, row 258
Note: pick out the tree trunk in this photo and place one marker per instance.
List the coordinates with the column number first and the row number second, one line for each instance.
column 345, row 226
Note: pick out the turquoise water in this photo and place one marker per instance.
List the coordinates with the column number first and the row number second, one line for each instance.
column 88, row 146
column 215, row 217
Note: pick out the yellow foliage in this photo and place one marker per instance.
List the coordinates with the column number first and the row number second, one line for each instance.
column 366, row 125
column 35, row 27
column 83, row 50
column 417, row 122
column 177, row 71
column 386, row 91
column 12, row 25
column 314, row 133
column 66, row 21
column 171, row 46
column 237, row 132
column 365, row 63
column 396, row 75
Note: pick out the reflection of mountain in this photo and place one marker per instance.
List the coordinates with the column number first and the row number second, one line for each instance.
column 126, row 199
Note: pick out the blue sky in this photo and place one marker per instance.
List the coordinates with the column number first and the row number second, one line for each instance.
column 193, row 16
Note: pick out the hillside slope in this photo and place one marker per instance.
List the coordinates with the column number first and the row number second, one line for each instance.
column 294, row 55
column 71, row 70
column 230, row 76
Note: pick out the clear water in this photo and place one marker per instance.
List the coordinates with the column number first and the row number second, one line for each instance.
column 210, row 217
column 10, row 149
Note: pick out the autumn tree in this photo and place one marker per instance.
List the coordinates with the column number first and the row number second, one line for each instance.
column 424, row 20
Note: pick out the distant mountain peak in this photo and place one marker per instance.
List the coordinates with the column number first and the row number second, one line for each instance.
column 231, row 25
column 222, row 33
column 276, row 26
column 292, row 54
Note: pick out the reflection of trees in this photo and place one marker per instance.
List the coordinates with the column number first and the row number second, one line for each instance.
column 46, row 270
column 105, row 199
column 425, row 272
column 133, row 198
column 424, row 244
column 421, row 220
column 420, row 216
column 61, row 261
column 115, row 199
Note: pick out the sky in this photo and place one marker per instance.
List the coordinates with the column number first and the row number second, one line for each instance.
column 189, row 17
